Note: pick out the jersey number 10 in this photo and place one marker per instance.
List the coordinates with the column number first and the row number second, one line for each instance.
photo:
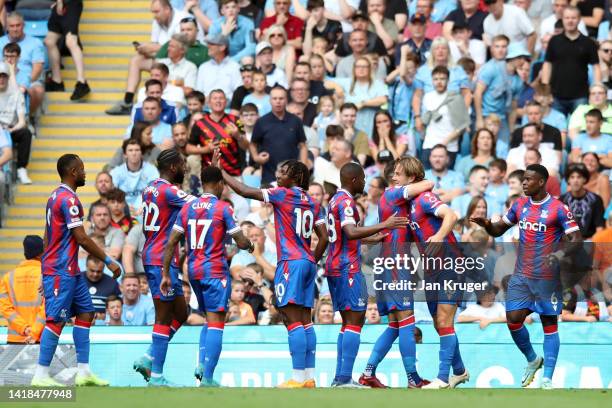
column 304, row 221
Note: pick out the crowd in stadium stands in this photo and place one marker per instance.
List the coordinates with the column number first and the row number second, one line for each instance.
column 477, row 90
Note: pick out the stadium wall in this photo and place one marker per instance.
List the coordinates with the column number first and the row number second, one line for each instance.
column 257, row 356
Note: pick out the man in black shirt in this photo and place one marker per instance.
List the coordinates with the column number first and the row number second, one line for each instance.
column 568, row 57
column 469, row 13
column 550, row 134
column 299, row 95
column 317, row 88
column 100, row 285
column 317, row 25
column 586, row 206
column 396, row 10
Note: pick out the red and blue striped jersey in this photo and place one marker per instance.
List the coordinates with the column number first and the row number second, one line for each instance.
column 64, row 212
column 205, row 222
column 541, row 224
column 161, row 202
column 394, row 202
column 344, row 256
column 295, row 215
column 423, row 220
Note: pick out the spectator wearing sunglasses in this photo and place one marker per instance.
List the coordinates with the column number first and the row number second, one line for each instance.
column 294, row 27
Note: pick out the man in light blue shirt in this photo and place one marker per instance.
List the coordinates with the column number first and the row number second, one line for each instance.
column 449, row 183
column 205, row 11
column 238, row 29
column 593, row 140
column 134, row 175
column 479, row 180
column 31, row 61
column 137, row 310
column 162, row 131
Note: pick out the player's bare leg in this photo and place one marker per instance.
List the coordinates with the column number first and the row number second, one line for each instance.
column 379, row 351
column 211, row 343
column 352, row 322
column 520, row 335
column 294, row 314
column 311, row 348
column 449, row 347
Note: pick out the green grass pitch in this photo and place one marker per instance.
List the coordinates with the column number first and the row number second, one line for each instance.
column 324, row 398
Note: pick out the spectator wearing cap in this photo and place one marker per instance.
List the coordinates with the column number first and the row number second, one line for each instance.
column 31, row 58
column 438, row 9
column 13, row 122
column 264, row 60
column 101, row 286
column 463, row 45
column 593, row 140
column 196, row 51
column 419, row 44
column 587, row 207
column 532, row 139
column 358, row 138
column 166, row 22
column 493, row 89
column 277, row 136
column 358, row 46
column 598, row 99
column 317, row 25
column 183, row 73
column 374, row 44
column 221, row 71
column 566, row 65
column 20, row 302
column 378, row 169
column 468, row 12
column 238, row 29
column 510, row 20
column 294, row 27
column 448, row 183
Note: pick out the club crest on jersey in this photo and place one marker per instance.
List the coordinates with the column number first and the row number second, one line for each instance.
column 361, row 302
column 532, row 226
column 63, row 314
column 303, row 197
column 544, row 214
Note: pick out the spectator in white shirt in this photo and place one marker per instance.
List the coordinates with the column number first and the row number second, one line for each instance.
column 220, row 72
column 166, row 23
column 170, row 93
column 264, row 55
column 463, row 45
column 485, row 311
column 183, row 73
column 509, row 20
column 532, row 139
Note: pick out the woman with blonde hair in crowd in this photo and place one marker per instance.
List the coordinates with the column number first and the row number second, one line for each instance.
column 283, row 54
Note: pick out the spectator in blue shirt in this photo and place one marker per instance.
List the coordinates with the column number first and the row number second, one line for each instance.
column 401, row 87
column 134, row 175
column 32, row 58
column 593, row 140
column 169, row 112
column 238, row 29
column 205, row 11
column 162, row 131
column 138, row 310
column 440, row 9
column 477, row 186
column 449, row 183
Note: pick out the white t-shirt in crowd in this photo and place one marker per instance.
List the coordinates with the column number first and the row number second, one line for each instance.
column 476, row 48
column 514, row 23
column 162, row 35
column 436, row 132
column 550, row 158
column 475, row 310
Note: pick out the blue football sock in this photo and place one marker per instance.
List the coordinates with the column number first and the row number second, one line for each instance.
column 551, row 350
column 350, row 348
column 214, row 343
column 159, row 348
column 339, row 353
column 174, row 326
column 80, row 335
column 297, row 345
column 381, row 348
column 448, row 340
column 48, row 343
column 458, row 367
column 520, row 335
column 311, row 345
column 202, row 353
column 407, row 346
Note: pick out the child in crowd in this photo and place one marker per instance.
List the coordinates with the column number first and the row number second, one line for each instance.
column 497, row 188
column 195, row 108
column 515, row 182
column 120, row 218
column 259, row 97
column 246, row 315
column 328, row 115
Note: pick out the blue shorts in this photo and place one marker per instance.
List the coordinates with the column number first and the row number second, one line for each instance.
column 213, row 294
column 389, row 300
column 66, row 296
column 154, row 277
column 348, row 292
column 538, row 295
column 439, row 289
column 294, row 283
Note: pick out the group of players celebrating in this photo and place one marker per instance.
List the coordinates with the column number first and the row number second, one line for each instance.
column 408, row 212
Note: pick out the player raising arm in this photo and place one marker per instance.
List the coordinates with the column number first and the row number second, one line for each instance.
column 535, row 286
column 65, row 290
column 296, row 215
column 161, row 202
column 398, row 305
column 204, row 223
